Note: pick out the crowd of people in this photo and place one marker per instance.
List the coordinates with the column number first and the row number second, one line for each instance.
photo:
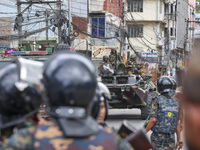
column 76, row 106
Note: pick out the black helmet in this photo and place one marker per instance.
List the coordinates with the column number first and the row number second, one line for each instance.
column 102, row 94
column 70, row 83
column 173, row 84
column 18, row 100
column 164, row 84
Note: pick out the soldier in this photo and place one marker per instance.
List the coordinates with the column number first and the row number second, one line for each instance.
column 19, row 102
column 164, row 117
column 70, row 83
column 105, row 68
column 130, row 65
column 114, row 58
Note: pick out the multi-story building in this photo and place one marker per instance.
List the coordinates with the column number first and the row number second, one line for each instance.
column 5, row 29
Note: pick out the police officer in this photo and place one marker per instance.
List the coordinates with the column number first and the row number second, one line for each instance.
column 164, row 117
column 19, row 102
column 70, row 83
column 100, row 106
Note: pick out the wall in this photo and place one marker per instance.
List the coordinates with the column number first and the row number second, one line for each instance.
column 149, row 37
column 153, row 10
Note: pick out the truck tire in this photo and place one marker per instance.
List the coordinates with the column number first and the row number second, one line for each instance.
column 145, row 111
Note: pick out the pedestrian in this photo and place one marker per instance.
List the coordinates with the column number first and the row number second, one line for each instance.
column 164, row 117
column 191, row 104
column 69, row 87
column 19, row 104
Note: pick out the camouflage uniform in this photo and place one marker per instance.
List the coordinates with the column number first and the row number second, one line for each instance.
column 165, row 109
column 51, row 137
column 113, row 60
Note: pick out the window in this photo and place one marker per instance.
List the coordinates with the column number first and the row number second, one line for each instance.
column 135, row 30
column 111, row 1
column 135, row 5
column 98, row 27
column 171, row 32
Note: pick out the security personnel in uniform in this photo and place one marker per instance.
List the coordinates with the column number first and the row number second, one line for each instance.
column 105, row 67
column 114, row 58
column 164, row 117
column 70, row 83
column 100, row 105
column 19, row 102
column 130, row 64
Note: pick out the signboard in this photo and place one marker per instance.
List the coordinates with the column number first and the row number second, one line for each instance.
column 150, row 56
column 100, row 51
column 4, row 45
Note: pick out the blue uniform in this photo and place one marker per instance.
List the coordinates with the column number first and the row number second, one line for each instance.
column 51, row 137
column 165, row 110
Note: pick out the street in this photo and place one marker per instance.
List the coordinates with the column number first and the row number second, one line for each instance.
column 116, row 116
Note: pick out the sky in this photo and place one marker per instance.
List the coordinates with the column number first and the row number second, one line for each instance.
column 78, row 8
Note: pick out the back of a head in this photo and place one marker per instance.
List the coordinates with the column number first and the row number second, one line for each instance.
column 70, row 83
column 16, row 103
column 164, row 84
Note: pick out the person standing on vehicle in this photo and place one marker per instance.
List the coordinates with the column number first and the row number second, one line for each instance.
column 164, row 117
column 130, row 64
column 105, row 67
column 70, row 84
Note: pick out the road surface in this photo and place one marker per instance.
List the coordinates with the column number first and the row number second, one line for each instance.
column 116, row 116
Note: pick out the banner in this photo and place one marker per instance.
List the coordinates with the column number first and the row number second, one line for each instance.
column 100, row 51
column 150, row 56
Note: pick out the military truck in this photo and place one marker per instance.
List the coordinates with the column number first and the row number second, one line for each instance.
column 130, row 91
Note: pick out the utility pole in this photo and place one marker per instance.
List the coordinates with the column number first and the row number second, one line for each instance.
column 59, row 15
column 47, row 31
column 123, row 30
column 19, row 20
column 169, row 42
column 70, row 20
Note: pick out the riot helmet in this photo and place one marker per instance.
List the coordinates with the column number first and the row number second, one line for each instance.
column 18, row 100
column 105, row 58
column 164, row 84
column 70, row 83
column 174, row 85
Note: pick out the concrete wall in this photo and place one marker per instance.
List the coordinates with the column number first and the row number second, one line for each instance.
column 152, row 11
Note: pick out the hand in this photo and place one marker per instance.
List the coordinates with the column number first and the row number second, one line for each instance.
column 179, row 145
column 181, row 127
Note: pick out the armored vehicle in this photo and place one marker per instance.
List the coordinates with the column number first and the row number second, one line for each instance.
column 129, row 91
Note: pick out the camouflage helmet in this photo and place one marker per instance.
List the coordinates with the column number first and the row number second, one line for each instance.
column 133, row 56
